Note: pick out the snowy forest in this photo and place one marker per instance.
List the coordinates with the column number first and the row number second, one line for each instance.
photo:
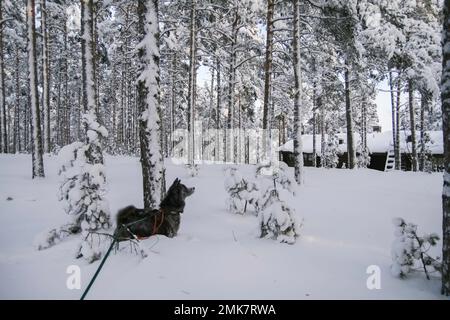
column 160, row 133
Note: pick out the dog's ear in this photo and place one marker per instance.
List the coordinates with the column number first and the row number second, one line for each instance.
column 176, row 182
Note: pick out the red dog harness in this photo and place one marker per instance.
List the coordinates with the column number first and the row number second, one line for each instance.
column 156, row 224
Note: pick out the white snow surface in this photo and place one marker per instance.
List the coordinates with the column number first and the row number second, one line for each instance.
column 217, row 255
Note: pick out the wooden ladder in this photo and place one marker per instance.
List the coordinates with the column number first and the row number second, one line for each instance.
column 390, row 160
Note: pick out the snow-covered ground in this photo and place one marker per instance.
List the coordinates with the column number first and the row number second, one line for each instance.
column 218, row 255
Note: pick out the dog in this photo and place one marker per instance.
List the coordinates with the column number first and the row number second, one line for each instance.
column 134, row 223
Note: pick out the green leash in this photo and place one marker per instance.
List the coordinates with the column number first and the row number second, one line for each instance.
column 98, row 270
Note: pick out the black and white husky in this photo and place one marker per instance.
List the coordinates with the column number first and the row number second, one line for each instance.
column 134, row 223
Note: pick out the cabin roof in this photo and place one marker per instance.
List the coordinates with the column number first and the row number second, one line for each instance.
column 377, row 142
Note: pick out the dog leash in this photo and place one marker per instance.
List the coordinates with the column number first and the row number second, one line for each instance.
column 98, row 269
column 156, row 227
column 106, row 257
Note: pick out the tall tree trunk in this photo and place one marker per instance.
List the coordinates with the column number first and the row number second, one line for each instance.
column 114, row 111
column 317, row 101
column 192, row 76
column 423, row 106
column 94, row 154
column 59, row 108
column 45, row 77
column 394, row 120
column 173, row 101
column 94, row 37
column 298, row 144
column 364, row 123
column 238, row 142
column 66, row 91
column 267, row 73
column 314, row 154
column 3, row 133
column 230, row 145
column 445, row 99
column 218, row 99
column 96, row 216
column 78, row 111
column 121, row 130
column 27, row 125
column 17, row 138
column 412, row 116
column 37, row 160
column 149, row 95
column 9, row 126
column 349, row 118
column 398, row 156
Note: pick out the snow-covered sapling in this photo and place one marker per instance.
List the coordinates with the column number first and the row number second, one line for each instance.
column 241, row 193
column 330, row 156
column 277, row 219
column 363, row 156
column 192, row 169
column 410, row 251
column 82, row 192
column 425, row 155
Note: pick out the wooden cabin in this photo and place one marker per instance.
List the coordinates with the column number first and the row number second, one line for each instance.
column 380, row 147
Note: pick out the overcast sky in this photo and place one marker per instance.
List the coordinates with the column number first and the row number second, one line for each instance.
column 383, row 101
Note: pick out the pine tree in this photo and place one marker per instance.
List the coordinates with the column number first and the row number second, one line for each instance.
column 363, row 154
column 37, row 160
column 298, row 144
column 445, row 99
column 3, row 132
column 94, row 213
column 148, row 100
column 410, row 251
column 330, row 158
column 45, row 77
column 276, row 216
column 192, row 80
column 242, row 193
column 268, row 74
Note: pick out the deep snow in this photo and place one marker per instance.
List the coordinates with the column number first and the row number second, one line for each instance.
column 217, row 255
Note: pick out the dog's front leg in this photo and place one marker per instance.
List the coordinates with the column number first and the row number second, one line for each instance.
column 144, row 253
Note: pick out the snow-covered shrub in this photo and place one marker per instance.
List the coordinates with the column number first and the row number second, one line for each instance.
column 282, row 179
column 410, row 251
column 49, row 238
column 241, row 193
column 424, row 150
column 330, row 158
column 278, row 222
column 192, row 169
column 276, row 217
column 82, row 191
column 278, row 176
